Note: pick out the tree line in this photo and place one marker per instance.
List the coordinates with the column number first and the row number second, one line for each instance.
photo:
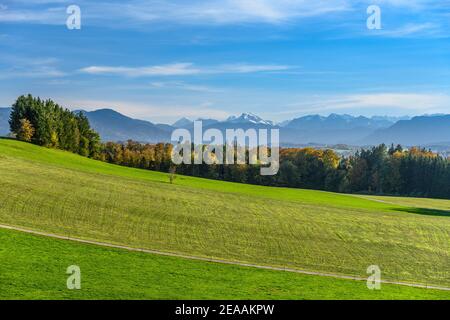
column 378, row 170
column 47, row 124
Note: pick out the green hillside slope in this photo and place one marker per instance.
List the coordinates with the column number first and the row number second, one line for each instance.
column 62, row 193
column 34, row 267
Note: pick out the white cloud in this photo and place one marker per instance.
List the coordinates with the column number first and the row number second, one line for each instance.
column 229, row 11
column 181, row 69
column 417, row 103
column 21, row 67
column 406, row 101
column 52, row 16
column 179, row 11
column 249, row 68
column 411, row 4
column 184, row 86
column 142, row 13
column 176, row 69
column 421, row 29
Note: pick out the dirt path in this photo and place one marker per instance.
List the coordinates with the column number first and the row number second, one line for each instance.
column 109, row 245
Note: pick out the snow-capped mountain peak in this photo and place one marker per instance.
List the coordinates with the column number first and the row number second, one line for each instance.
column 249, row 118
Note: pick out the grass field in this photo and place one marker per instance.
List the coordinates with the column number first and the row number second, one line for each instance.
column 421, row 203
column 58, row 192
column 34, row 267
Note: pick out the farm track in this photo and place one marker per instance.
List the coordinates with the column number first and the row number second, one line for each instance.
column 110, row 245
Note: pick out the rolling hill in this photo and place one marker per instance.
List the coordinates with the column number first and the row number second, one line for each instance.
column 108, row 273
column 62, row 193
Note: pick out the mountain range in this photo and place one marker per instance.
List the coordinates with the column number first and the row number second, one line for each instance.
column 114, row 126
column 4, row 117
column 312, row 129
column 423, row 130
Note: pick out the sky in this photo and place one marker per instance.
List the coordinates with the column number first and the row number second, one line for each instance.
column 280, row 59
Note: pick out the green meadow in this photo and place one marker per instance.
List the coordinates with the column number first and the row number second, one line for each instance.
column 65, row 194
column 34, row 267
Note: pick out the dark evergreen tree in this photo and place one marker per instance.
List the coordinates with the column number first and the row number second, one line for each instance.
column 55, row 126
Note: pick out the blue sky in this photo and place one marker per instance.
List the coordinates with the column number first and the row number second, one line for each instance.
column 280, row 59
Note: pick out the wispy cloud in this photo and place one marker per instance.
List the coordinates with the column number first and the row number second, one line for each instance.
column 179, row 85
column 405, row 101
column 142, row 13
column 31, row 68
column 182, row 69
column 175, row 69
column 249, row 68
column 412, row 4
column 179, row 11
column 35, row 15
column 398, row 102
column 247, row 11
column 419, row 29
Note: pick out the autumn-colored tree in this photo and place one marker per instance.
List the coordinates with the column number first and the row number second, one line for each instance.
column 54, row 141
column 25, row 131
column 378, row 170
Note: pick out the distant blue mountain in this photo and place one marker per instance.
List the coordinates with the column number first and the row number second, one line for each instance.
column 209, row 122
column 245, row 121
column 334, row 129
column 423, row 130
column 183, row 123
column 4, row 117
column 336, row 121
column 189, row 124
column 312, row 129
column 114, row 126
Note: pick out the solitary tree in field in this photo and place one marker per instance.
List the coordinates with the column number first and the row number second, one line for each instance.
column 25, row 131
column 172, row 174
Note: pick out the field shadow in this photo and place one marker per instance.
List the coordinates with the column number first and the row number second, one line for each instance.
column 425, row 211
